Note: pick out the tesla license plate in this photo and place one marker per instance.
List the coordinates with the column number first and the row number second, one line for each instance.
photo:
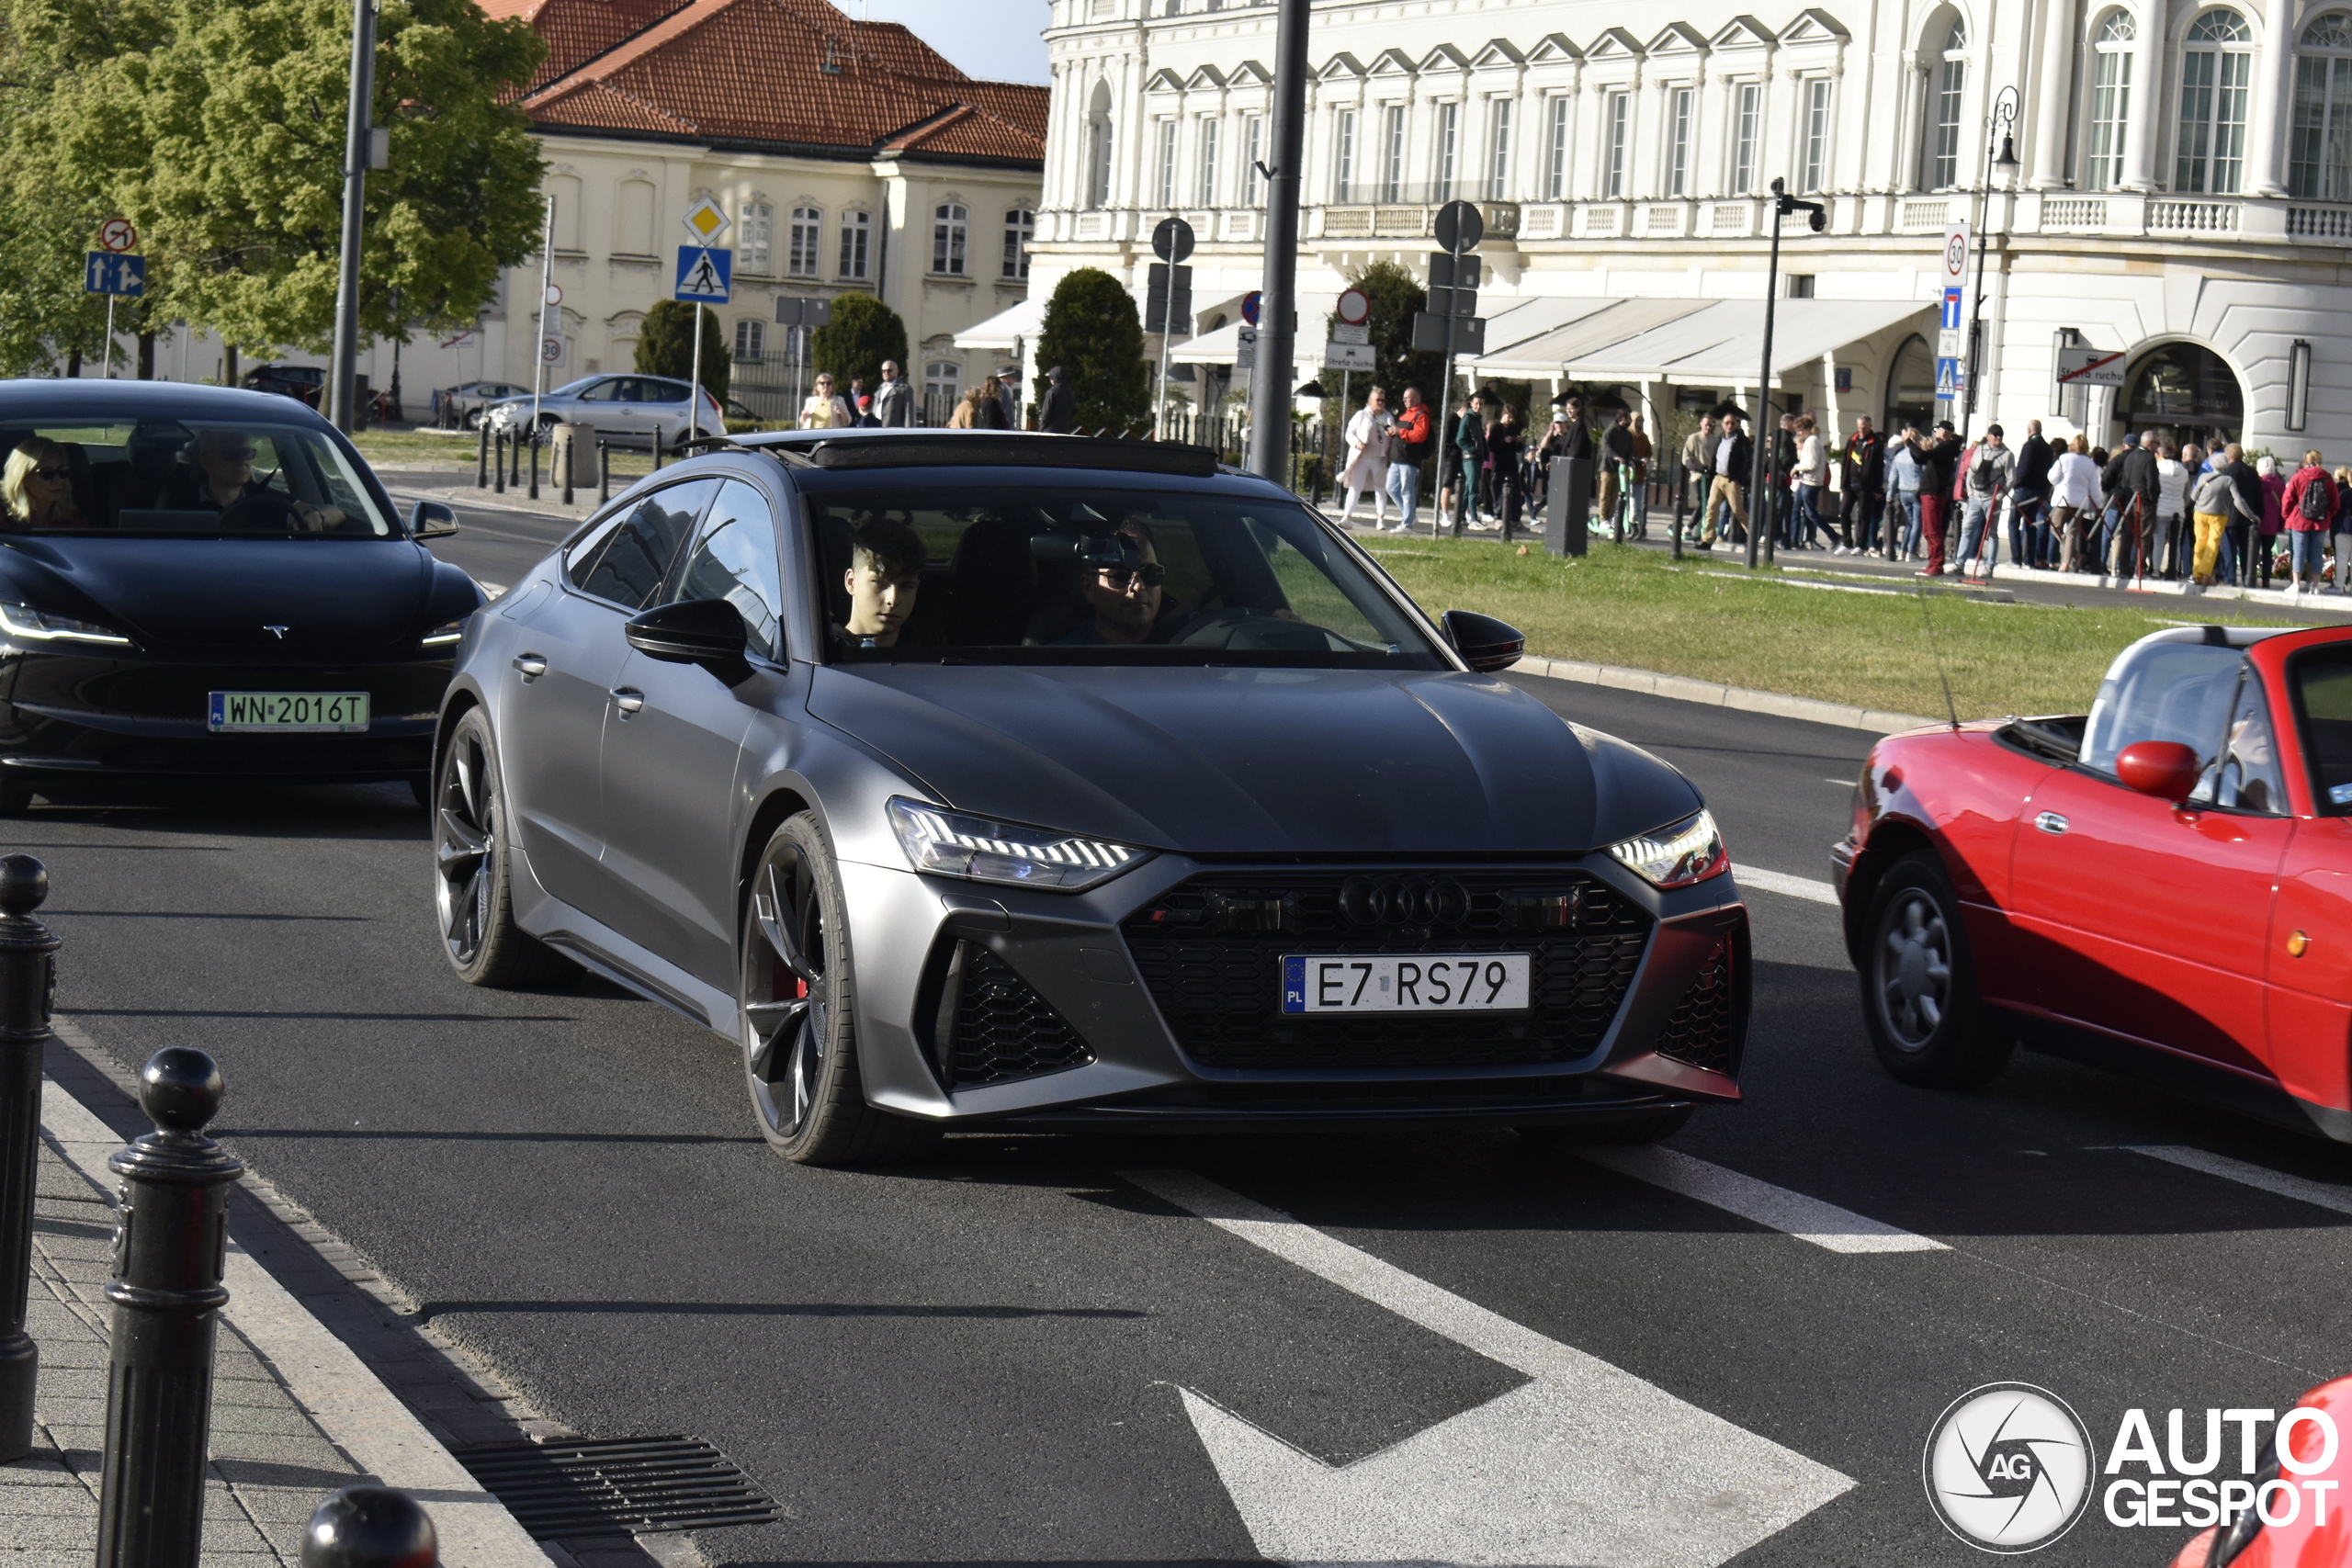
column 1385, row 982
column 283, row 712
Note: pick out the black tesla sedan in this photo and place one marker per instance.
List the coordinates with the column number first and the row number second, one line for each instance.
column 200, row 581
column 968, row 778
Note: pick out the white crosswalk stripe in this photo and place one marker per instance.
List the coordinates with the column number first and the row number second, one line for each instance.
column 1781, row 882
column 2325, row 1195
column 1807, row 1219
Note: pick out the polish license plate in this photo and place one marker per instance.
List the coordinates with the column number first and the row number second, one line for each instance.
column 1417, row 982
column 285, row 713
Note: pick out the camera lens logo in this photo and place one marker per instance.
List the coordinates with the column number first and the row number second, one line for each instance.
column 2009, row 1467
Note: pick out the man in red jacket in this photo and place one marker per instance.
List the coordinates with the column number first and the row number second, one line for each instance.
column 1409, row 447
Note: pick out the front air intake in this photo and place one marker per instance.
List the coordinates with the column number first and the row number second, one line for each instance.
column 995, row 1026
column 1704, row 1030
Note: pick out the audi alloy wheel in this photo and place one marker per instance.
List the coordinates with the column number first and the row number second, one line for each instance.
column 471, row 890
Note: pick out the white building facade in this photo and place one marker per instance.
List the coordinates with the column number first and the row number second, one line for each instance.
column 2181, row 192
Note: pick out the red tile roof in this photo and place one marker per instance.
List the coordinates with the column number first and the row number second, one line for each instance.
column 796, row 72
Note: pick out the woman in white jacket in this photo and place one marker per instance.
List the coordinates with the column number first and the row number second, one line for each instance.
column 2073, row 501
column 1367, row 469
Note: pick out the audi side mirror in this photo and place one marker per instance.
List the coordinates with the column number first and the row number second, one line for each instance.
column 1485, row 643
column 2164, row 769
column 431, row 520
column 708, row 632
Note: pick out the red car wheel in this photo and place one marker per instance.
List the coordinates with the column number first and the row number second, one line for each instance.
column 1920, row 998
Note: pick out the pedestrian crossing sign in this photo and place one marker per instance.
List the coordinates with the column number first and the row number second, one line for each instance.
column 1949, row 378
column 705, row 275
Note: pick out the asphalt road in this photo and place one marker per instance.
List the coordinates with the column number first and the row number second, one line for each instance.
column 1018, row 1352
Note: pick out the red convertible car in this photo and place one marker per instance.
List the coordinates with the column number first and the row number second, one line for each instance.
column 2162, row 887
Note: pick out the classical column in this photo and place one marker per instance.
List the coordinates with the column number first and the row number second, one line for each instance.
column 2147, row 94
column 2047, row 135
column 2274, row 86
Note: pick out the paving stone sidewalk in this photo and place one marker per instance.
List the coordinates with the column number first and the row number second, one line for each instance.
column 271, row 1463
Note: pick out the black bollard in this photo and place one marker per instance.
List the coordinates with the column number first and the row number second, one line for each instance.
column 27, row 970
column 170, row 1240
column 535, row 463
column 656, row 448
column 604, row 473
column 498, row 458
column 481, row 462
column 567, row 454
column 371, row 1527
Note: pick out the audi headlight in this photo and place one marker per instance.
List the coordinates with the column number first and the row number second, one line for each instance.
column 950, row 843
column 39, row 626
column 1691, row 850
column 446, row 633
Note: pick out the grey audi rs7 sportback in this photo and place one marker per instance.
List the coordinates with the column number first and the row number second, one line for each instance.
column 1034, row 782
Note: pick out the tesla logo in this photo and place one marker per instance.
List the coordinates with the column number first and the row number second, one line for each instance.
column 278, row 632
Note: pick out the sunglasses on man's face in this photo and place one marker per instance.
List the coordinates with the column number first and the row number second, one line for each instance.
column 1152, row 573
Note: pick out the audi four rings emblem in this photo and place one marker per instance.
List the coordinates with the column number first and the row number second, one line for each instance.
column 1368, row 901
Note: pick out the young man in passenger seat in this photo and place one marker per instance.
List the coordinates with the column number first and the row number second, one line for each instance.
column 885, row 574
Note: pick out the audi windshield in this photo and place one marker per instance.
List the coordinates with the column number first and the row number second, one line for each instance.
column 1080, row 574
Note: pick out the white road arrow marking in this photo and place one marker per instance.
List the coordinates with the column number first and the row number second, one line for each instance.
column 1583, row 1465
column 1807, row 1219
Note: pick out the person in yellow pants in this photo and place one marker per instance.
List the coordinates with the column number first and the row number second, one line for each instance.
column 2209, row 505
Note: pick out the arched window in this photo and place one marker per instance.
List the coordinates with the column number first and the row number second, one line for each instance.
column 1019, row 228
column 807, row 228
column 2319, row 151
column 857, row 227
column 754, row 246
column 2216, row 66
column 2110, row 99
column 1911, row 386
column 1941, row 159
column 950, row 224
column 1098, row 147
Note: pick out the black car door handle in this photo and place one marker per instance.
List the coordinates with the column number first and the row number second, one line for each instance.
column 532, row 665
column 628, row 699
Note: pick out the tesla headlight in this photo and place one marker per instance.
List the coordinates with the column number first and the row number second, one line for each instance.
column 446, row 633
column 39, row 626
column 949, row 843
column 1691, row 850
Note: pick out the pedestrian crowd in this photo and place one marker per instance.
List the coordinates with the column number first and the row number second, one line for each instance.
column 1489, row 475
column 2151, row 508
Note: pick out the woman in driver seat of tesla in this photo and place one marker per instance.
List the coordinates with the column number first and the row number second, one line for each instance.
column 216, row 471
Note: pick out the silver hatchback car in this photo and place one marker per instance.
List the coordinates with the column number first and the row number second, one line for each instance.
column 979, row 779
column 625, row 409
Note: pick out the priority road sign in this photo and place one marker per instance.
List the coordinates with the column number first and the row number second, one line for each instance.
column 117, row 234
column 705, row 221
column 106, row 272
column 2090, row 366
column 705, row 276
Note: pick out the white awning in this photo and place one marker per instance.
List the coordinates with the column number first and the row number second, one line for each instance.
column 1611, row 322
column 1021, row 324
column 1721, row 344
column 1516, row 324
column 1218, row 347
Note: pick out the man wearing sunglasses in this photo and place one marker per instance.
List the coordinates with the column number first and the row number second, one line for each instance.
column 1124, row 599
column 216, row 472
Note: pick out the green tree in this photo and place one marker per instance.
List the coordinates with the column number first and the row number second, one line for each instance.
column 665, row 347
column 1092, row 332
column 219, row 130
column 1395, row 365
column 861, row 333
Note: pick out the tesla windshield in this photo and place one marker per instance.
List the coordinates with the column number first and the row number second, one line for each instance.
column 203, row 476
column 1076, row 574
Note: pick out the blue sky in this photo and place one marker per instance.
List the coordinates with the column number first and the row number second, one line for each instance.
column 998, row 40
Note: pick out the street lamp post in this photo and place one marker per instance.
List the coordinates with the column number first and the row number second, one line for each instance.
column 2001, row 158
column 358, row 141
column 1270, row 381
column 1761, row 439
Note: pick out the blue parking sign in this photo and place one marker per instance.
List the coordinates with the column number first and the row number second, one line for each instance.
column 705, row 275
column 102, row 272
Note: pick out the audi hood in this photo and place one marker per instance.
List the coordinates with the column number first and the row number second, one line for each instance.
column 1256, row 760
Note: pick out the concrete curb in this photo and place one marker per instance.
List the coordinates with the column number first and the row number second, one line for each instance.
column 1683, row 688
column 351, row 1405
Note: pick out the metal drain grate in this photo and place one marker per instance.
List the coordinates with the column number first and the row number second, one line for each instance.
column 586, row 1487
